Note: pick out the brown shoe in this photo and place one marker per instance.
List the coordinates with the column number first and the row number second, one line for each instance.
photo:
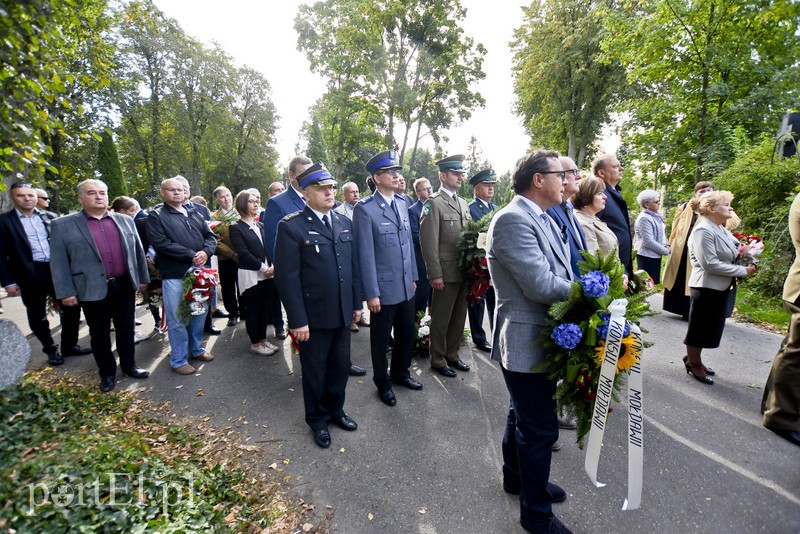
column 353, row 327
column 184, row 369
column 205, row 357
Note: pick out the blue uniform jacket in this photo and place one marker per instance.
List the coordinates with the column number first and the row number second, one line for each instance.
column 316, row 270
column 477, row 210
column 276, row 209
column 388, row 268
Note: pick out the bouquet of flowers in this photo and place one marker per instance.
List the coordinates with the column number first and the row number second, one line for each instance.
column 222, row 221
column 575, row 339
column 198, row 283
column 472, row 248
column 750, row 247
column 422, row 343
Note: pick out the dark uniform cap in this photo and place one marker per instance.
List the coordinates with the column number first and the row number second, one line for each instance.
column 452, row 163
column 383, row 161
column 485, row 176
column 317, row 174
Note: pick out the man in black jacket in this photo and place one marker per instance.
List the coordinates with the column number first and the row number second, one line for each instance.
column 181, row 239
column 25, row 272
column 608, row 168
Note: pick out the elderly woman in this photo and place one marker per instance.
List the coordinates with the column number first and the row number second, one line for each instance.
column 712, row 252
column 651, row 239
column 676, row 273
column 588, row 202
column 247, row 239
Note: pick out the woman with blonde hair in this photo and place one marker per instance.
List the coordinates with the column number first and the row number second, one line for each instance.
column 712, row 251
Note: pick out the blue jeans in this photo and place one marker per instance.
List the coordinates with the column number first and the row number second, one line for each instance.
column 183, row 339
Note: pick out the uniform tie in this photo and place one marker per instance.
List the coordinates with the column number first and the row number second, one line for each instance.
column 327, row 223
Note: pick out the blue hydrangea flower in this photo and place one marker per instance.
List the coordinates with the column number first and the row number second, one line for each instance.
column 567, row 335
column 595, row 284
column 602, row 330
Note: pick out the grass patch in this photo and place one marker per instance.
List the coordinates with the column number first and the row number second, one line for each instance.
column 765, row 312
column 73, row 459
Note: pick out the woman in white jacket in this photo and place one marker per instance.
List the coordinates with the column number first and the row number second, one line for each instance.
column 713, row 251
column 650, row 241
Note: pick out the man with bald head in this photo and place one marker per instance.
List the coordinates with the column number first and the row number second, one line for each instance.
column 182, row 239
column 98, row 262
column 608, row 168
column 563, row 214
column 42, row 199
column 275, row 188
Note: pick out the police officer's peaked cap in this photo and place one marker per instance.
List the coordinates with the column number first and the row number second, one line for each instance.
column 383, row 161
column 317, row 174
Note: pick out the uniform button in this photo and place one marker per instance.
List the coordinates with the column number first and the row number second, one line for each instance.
column 341, row 280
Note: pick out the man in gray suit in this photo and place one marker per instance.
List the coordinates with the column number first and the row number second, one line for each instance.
column 388, row 275
column 97, row 261
column 530, row 269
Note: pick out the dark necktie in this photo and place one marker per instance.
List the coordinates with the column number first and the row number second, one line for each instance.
column 327, row 223
column 548, row 224
column 394, row 209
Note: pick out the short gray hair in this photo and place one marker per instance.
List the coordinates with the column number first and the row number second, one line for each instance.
column 80, row 185
column 648, row 195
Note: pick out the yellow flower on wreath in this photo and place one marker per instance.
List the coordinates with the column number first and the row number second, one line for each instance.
column 630, row 352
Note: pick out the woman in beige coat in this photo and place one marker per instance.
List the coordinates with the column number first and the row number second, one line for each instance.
column 588, row 202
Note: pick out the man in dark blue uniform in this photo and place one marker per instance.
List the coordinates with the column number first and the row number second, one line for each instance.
column 483, row 187
column 316, row 270
column 388, row 274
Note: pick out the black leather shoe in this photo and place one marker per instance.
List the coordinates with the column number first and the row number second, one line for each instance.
column 789, row 435
column 136, row 372
column 388, row 398
column 213, row 330
column 76, row 350
column 345, row 423
column 280, row 333
column 54, row 358
column 551, row 525
column 557, row 493
column 232, row 320
column 445, row 371
column 484, row 346
column 107, row 384
column 408, row 382
column 322, row 437
column 461, row 366
column 219, row 314
column 357, row 371
column 566, row 424
column 512, row 488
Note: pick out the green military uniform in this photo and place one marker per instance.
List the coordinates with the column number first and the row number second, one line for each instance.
column 442, row 219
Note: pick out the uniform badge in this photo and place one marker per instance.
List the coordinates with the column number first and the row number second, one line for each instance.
column 426, row 209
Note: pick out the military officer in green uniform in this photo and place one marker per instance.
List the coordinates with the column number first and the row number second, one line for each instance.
column 443, row 216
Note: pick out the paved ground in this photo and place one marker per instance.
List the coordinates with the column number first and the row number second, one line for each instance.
column 432, row 464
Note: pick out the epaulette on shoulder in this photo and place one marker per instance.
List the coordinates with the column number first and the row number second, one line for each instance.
column 435, row 195
column 366, row 200
column 292, row 215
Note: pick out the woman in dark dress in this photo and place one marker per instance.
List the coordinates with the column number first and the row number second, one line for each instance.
column 676, row 290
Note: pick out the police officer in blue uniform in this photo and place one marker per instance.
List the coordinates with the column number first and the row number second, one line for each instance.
column 483, row 187
column 388, row 273
column 316, row 270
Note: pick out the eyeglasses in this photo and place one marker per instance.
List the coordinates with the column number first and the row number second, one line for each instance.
column 17, row 185
column 573, row 172
column 390, row 172
column 172, row 189
column 253, row 201
column 428, row 189
column 43, row 198
column 561, row 174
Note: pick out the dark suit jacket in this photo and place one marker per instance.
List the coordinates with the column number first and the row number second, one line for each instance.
column 16, row 259
column 276, row 209
column 477, row 210
column 249, row 248
column 414, row 212
column 76, row 264
column 577, row 242
column 317, row 270
column 615, row 215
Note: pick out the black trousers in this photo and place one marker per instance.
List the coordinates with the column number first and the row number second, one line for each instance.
column 275, row 312
column 424, row 292
column 257, row 304
column 325, row 361
column 34, row 297
column 228, row 279
column 475, row 314
column 118, row 306
column 531, row 429
column 401, row 318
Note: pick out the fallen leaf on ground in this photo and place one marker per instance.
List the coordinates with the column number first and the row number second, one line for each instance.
column 370, row 516
column 201, row 393
column 341, row 450
column 179, row 387
column 273, row 466
column 307, row 527
column 423, row 510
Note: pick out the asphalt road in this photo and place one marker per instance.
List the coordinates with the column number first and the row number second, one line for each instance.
column 432, row 464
